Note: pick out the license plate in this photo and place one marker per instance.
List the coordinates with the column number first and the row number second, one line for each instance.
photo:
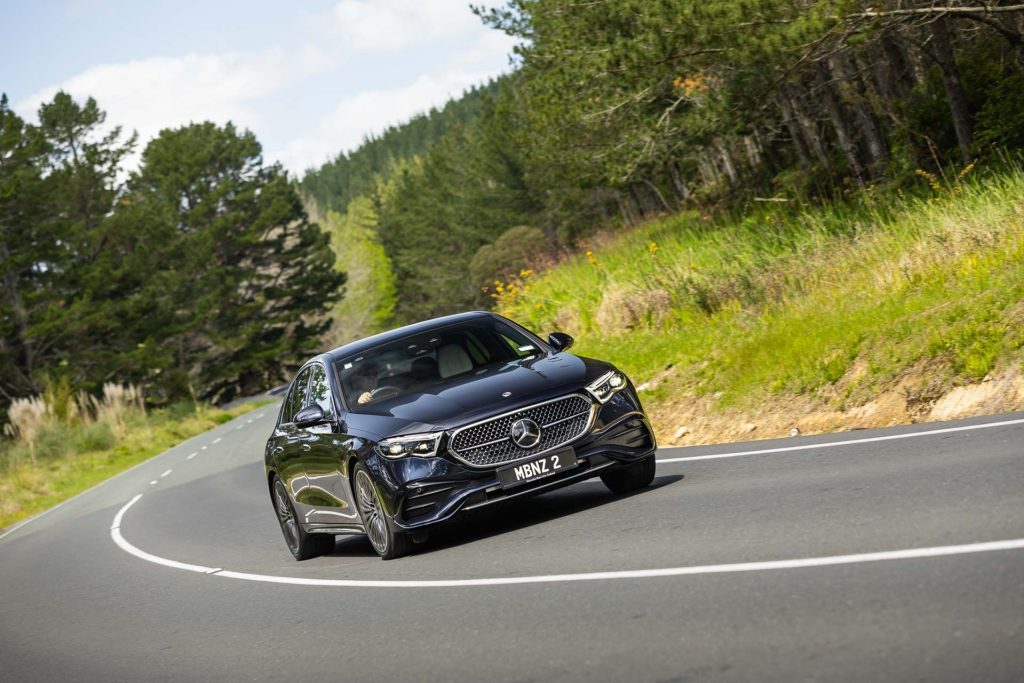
column 538, row 468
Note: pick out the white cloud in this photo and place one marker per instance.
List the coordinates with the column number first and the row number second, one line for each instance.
column 393, row 25
column 151, row 94
column 440, row 45
column 371, row 111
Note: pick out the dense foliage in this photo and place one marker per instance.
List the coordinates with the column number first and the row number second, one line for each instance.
column 625, row 109
column 199, row 274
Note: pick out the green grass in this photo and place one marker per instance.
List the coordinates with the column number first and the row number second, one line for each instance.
column 787, row 302
column 70, row 459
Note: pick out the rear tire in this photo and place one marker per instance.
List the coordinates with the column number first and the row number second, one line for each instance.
column 302, row 545
column 386, row 539
column 632, row 477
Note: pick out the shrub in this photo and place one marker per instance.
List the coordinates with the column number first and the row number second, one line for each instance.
column 514, row 251
column 54, row 442
column 97, row 436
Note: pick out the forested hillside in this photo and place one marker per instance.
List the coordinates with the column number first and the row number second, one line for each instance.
column 351, row 174
column 622, row 110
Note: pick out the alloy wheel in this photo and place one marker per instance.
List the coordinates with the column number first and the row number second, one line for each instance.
column 373, row 516
column 289, row 525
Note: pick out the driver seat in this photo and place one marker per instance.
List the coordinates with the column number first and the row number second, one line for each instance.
column 452, row 360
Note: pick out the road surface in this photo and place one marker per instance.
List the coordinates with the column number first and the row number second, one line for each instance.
column 891, row 554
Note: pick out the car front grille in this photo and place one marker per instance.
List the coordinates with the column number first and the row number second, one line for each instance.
column 489, row 442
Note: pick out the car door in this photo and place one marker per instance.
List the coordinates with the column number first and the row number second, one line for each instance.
column 328, row 494
column 289, row 441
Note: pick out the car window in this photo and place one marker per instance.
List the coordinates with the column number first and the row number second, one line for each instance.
column 518, row 348
column 427, row 361
column 297, row 397
column 320, row 390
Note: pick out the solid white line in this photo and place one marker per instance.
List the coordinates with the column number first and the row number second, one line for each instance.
column 848, row 442
column 192, row 455
column 802, row 563
column 165, row 473
column 115, row 533
column 120, row 513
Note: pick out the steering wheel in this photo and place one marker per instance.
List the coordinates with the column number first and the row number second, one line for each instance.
column 384, row 392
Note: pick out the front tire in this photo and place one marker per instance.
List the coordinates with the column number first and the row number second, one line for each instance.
column 302, row 545
column 386, row 540
column 632, row 477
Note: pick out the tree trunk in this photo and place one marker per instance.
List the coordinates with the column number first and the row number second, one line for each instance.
column 808, row 128
column 837, row 116
column 679, row 185
column 789, row 120
column 896, row 75
column 943, row 52
column 877, row 152
column 638, row 200
column 727, row 165
column 708, row 171
column 753, row 151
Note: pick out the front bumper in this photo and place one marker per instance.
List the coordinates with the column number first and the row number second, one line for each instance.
column 425, row 491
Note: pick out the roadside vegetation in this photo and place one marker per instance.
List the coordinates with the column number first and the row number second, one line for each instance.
column 806, row 205
column 60, row 443
column 838, row 302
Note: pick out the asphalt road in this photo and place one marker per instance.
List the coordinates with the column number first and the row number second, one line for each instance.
column 779, row 565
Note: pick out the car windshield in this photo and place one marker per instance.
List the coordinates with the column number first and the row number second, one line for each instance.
column 425, row 361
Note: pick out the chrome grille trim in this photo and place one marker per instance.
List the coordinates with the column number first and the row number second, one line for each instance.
column 555, row 434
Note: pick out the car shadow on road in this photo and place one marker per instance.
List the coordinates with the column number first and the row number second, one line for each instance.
column 510, row 516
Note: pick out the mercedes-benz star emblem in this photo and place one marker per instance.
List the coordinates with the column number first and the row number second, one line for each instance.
column 526, row 433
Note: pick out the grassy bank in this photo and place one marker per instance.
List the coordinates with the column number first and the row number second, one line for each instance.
column 832, row 305
column 62, row 452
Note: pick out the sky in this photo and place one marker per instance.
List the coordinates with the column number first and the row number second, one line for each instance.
column 310, row 77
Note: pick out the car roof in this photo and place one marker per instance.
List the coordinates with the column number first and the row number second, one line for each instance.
column 393, row 335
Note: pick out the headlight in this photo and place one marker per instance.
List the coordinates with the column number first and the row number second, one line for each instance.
column 606, row 385
column 422, row 445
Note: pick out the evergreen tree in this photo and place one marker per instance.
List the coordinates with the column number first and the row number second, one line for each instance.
column 248, row 277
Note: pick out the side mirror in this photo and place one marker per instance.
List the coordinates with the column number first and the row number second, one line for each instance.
column 309, row 416
column 560, row 341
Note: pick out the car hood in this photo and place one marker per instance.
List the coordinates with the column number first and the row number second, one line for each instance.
column 478, row 395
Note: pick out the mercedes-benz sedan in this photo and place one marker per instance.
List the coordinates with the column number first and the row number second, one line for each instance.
column 393, row 434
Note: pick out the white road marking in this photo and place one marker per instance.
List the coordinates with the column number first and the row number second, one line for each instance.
column 239, row 427
column 848, row 442
column 801, row 563
column 153, row 483
column 165, row 473
column 203, row 448
column 192, row 455
column 217, row 440
column 115, row 533
column 249, row 421
column 260, row 415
